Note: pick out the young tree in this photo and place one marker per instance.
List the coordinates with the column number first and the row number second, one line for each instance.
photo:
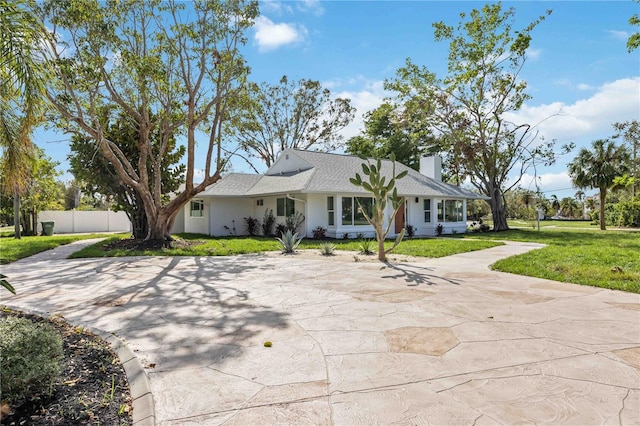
column 629, row 131
column 42, row 191
column 171, row 68
column 383, row 192
column 598, row 167
column 21, row 88
column 386, row 132
column 300, row 115
column 97, row 174
column 472, row 107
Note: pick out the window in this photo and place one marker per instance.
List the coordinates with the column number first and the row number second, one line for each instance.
column 352, row 210
column 450, row 211
column 260, row 202
column 285, row 207
column 197, row 207
column 362, row 203
column 347, row 211
column 331, row 211
column 427, row 209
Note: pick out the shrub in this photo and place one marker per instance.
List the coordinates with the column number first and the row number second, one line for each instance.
column 281, row 228
column 439, row 229
column 294, row 221
column 623, row 213
column 30, row 355
column 327, row 249
column 319, row 232
column 267, row 222
column 411, row 230
column 289, row 241
column 366, row 246
column 252, row 224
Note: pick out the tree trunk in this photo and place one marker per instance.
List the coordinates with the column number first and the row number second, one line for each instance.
column 382, row 255
column 16, row 215
column 498, row 211
column 603, row 198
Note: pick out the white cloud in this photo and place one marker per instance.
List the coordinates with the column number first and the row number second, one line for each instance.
column 369, row 97
column 620, row 35
column 534, row 54
column 275, row 7
column 592, row 117
column 270, row 35
column 548, row 183
column 313, row 6
column 584, row 86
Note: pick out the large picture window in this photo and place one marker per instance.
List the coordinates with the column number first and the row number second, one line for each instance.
column 331, row 212
column 196, row 208
column 352, row 210
column 285, row 207
column 450, row 211
column 427, row 209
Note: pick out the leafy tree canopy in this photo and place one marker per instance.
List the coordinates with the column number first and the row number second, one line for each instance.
column 473, row 105
column 300, row 115
column 170, row 67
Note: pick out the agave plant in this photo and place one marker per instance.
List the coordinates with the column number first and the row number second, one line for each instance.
column 327, row 249
column 366, row 246
column 289, row 241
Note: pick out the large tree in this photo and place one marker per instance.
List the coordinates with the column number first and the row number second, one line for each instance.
column 21, row 91
column 474, row 104
column 301, row 115
column 629, row 132
column 172, row 68
column 598, row 168
column 97, row 175
column 386, row 132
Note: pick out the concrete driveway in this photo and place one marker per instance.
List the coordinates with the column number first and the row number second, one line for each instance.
column 439, row 341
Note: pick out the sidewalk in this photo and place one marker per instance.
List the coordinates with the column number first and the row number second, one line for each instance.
column 444, row 341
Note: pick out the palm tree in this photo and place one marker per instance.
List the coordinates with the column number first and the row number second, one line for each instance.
column 555, row 203
column 569, row 207
column 580, row 197
column 22, row 83
column 598, row 167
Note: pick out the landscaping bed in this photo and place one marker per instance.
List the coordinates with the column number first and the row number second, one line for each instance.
column 92, row 388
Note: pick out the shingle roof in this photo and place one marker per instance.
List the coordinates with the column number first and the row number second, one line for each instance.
column 331, row 173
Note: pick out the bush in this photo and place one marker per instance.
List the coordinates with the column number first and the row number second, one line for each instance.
column 439, row 229
column 281, row 228
column 30, row 356
column 319, row 232
column 252, row 224
column 267, row 222
column 294, row 221
column 411, row 231
column 624, row 213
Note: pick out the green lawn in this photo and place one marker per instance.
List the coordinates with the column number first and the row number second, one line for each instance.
column 202, row 245
column 588, row 257
column 12, row 249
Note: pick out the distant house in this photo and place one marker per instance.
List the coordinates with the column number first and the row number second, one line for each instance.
column 317, row 186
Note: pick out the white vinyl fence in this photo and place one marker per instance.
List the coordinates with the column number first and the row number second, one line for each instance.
column 71, row 221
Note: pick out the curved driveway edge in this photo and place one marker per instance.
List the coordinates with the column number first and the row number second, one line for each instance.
column 443, row 341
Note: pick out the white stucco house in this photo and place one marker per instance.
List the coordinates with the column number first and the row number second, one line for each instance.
column 317, row 186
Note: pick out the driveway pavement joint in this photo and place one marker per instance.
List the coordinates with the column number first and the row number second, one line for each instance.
column 444, row 341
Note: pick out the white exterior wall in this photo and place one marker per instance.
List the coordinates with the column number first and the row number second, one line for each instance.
column 76, row 221
column 228, row 212
column 197, row 225
column 178, row 224
column 316, row 213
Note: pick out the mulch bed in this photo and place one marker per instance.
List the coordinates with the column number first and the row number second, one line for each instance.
column 132, row 244
column 92, row 389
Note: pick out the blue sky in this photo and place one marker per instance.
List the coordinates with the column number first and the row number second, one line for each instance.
column 578, row 65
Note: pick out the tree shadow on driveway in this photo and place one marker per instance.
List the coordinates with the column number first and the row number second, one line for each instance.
column 417, row 275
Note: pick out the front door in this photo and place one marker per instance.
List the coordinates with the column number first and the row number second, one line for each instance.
column 400, row 218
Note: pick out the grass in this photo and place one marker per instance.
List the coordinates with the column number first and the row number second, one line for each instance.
column 202, row 245
column 12, row 249
column 607, row 259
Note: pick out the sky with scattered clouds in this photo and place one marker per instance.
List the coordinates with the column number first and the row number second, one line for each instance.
column 579, row 73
